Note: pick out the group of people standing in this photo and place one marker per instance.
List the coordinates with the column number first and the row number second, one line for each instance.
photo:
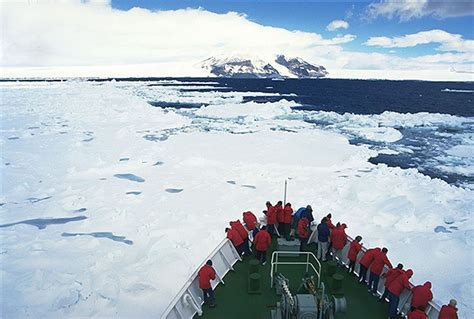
column 281, row 221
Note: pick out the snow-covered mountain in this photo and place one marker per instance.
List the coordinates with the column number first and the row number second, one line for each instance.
column 254, row 67
column 301, row 68
column 241, row 67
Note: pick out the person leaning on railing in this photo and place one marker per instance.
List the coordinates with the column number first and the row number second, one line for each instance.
column 354, row 250
column 395, row 289
column 449, row 311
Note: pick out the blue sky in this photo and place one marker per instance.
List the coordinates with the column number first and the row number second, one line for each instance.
column 314, row 16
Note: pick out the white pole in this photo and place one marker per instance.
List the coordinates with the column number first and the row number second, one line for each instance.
column 284, row 196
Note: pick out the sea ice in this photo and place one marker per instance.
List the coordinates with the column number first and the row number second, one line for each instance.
column 47, row 275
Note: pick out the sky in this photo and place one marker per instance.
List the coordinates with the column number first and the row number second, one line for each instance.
column 403, row 35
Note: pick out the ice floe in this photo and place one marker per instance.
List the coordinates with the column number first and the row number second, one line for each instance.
column 225, row 161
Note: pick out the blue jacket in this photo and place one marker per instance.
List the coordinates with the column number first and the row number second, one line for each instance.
column 297, row 214
column 323, row 232
column 308, row 214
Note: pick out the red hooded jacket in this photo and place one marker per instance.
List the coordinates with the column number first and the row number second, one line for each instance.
column 303, row 228
column 237, row 225
column 271, row 215
column 287, row 212
column 250, row 220
column 206, row 274
column 338, row 237
column 354, row 250
column 417, row 314
column 380, row 260
column 279, row 213
column 235, row 237
column 391, row 275
column 448, row 312
column 368, row 257
column 262, row 240
column 421, row 295
column 401, row 282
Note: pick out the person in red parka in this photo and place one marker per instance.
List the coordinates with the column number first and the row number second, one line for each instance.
column 250, row 220
column 365, row 262
column 338, row 239
column 237, row 225
column 395, row 289
column 262, row 241
column 421, row 295
column 389, row 277
column 271, row 218
column 206, row 274
column 376, row 268
column 236, row 239
column 286, row 220
column 354, row 249
column 303, row 232
column 279, row 214
column 449, row 311
column 418, row 313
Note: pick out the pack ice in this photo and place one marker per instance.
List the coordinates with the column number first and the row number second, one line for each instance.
column 85, row 233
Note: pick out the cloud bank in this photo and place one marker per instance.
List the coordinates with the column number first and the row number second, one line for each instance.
column 83, row 34
column 75, row 36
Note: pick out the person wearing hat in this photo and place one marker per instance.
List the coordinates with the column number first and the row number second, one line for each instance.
column 422, row 295
column 206, row 274
column 449, row 311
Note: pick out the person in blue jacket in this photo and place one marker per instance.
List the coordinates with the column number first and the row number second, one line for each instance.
column 306, row 212
column 323, row 239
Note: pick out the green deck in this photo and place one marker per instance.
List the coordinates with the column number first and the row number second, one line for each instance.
column 233, row 301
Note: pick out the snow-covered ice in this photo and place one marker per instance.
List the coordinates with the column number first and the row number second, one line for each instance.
column 122, row 236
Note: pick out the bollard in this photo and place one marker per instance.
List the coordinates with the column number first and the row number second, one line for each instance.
column 336, row 287
column 254, row 284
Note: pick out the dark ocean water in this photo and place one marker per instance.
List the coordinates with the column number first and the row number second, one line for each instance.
column 352, row 96
column 339, row 105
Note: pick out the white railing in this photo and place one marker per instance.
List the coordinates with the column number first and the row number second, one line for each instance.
column 189, row 299
column 308, row 263
column 432, row 310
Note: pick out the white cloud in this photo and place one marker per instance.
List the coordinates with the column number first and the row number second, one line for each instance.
column 337, row 24
column 74, row 38
column 409, row 9
column 448, row 41
column 74, row 33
